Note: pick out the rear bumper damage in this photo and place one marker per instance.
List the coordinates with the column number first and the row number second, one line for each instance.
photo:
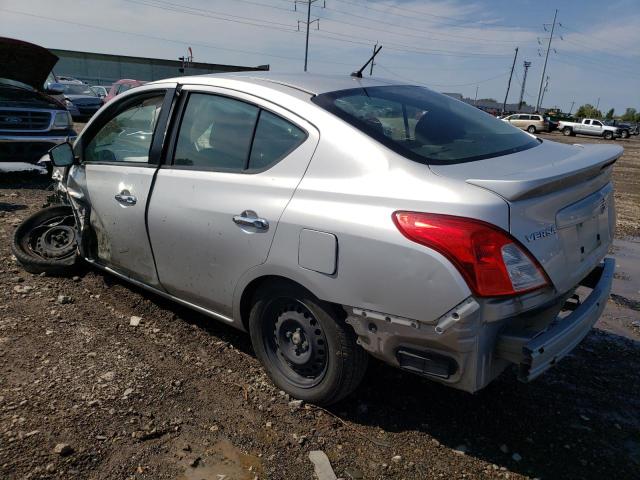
column 469, row 346
column 536, row 352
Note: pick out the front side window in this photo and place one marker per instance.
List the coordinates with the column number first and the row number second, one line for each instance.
column 127, row 136
column 423, row 125
column 596, row 123
column 221, row 133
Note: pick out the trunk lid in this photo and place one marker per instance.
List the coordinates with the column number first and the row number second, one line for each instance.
column 560, row 201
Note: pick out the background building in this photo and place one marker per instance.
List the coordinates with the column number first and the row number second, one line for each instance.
column 103, row 69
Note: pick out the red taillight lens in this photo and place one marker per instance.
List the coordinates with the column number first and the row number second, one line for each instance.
column 489, row 259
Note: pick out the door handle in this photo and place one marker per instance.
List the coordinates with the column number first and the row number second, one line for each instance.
column 249, row 218
column 125, row 198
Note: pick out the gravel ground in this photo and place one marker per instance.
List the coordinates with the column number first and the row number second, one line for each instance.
column 86, row 395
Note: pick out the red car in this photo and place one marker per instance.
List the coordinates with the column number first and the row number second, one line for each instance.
column 122, row 86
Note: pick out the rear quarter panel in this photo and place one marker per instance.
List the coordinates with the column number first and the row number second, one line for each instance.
column 351, row 189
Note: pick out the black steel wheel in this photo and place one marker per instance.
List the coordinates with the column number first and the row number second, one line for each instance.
column 47, row 241
column 295, row 343
column 304, row 343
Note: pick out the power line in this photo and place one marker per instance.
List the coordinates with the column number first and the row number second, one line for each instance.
column 418, row 13
column 407, row 27
column 408, row 48
column 198, row 12
column 442, row 84
column 387, row 31
column 164, row 39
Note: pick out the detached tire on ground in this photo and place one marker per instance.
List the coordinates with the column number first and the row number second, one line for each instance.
column 304, row 344
column 46, row 242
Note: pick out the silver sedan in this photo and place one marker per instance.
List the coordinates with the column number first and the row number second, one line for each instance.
column 335, row 218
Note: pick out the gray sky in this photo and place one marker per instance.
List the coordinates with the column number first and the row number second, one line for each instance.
column 450, row 46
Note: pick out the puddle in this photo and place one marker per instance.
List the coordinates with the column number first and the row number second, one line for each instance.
column 222, row 461
column 627, row 281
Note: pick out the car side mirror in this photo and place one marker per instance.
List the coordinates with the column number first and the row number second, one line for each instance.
column 54, row 88
column 62, row 155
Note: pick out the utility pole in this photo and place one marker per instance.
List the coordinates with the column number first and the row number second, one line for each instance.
column 524, row 82
column 598, row 103
column 475, row 101
column 571, row 109
column 372, row 62
column 544, row 69
column 308, row 24
column 546, row 87
column 504, row 104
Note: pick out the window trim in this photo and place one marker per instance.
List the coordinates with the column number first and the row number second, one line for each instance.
column 169, row 160
column 118, row 107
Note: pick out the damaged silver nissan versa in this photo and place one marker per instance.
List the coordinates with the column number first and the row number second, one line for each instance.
column 335, row 218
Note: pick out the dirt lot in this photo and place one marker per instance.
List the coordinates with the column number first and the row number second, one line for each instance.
column 181, row 396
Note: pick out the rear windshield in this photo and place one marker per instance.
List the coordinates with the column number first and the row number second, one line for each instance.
column 425, row 126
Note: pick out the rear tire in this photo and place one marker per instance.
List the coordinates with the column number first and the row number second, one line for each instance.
column 608, row 135
column 46, row 242
column 304, row 344
column 531, row 129
column 567, row 131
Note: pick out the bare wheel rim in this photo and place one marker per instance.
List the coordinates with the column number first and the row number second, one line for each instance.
column 54, row 239
column 295, row 342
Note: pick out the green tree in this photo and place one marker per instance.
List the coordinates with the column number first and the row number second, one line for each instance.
column 629, row 115
column 588, row 111
column 610, row 114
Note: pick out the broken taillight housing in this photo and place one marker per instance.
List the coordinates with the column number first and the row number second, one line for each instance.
column 491, row 261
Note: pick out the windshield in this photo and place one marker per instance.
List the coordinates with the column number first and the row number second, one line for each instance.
column 78, row 89
column 424, row 125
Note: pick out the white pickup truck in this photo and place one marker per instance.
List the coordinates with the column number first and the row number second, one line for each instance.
column 589, row 126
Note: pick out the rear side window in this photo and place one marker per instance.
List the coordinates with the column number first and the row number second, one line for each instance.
column 215, row 133
column 221, row 133
column 423, row 125
column 275, row 138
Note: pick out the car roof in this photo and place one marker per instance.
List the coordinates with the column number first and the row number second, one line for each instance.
column 311, row 83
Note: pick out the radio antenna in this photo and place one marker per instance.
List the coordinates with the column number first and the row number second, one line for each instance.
column 358, row 74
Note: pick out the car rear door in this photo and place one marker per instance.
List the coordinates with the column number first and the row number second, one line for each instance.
column 119, row 155
column 233, row 165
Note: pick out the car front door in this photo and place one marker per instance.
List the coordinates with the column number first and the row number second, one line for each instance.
column 597, row 128
column 119, row 155
column 233, row 166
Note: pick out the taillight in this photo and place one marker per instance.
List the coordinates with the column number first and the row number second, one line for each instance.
column 491, row 261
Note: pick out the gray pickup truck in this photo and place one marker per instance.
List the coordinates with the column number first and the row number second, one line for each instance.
column 589, row 126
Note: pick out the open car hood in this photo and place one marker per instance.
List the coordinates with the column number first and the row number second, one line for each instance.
column 25, row 62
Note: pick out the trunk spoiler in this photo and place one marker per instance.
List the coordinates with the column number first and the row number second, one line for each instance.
column 526, row 183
